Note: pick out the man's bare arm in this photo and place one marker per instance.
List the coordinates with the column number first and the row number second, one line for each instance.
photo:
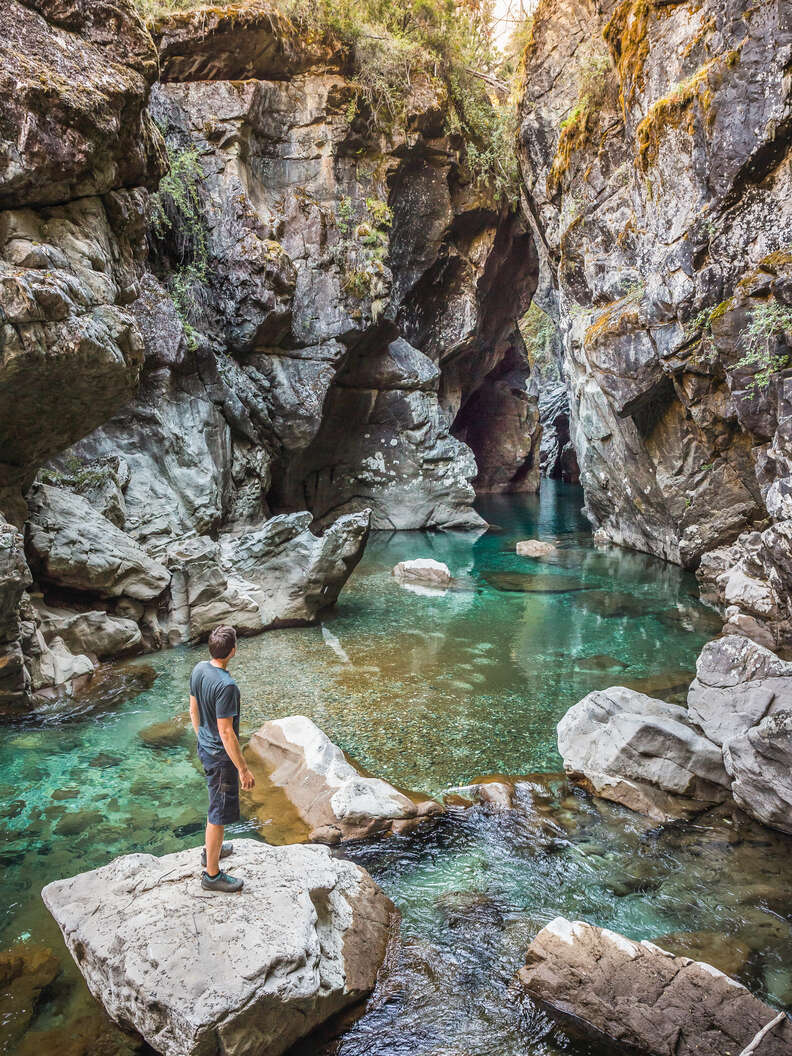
column 225, row 727
column 195, row 718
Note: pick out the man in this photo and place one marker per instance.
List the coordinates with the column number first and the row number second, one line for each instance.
column 214, row 711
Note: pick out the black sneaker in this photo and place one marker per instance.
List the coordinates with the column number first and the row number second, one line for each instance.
column 225, row 850
column 222, row 882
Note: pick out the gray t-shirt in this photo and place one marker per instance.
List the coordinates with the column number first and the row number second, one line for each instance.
column 218, row 698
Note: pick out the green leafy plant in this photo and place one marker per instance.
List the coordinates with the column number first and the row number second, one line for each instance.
column 542, row 342
column 176, row 220
column 768, row 322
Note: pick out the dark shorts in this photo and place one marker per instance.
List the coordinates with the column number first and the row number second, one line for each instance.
column 222, row 781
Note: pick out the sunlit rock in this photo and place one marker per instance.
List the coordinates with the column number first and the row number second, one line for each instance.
column 534, row 548
column 424, row 570
column 619, row 733
column 643, row 998
column 304, row 939
column 333, row 797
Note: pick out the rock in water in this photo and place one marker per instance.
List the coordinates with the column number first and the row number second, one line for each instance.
column 643, row 998
column 742, row 699
column 334, row 799
column 197, row 973
column 623, row 735
column 760, row 765
column 423, row 570
column 534, row 548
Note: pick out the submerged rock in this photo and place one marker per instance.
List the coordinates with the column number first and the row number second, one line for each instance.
column 25, row 971
column 423, row 570
column 304, row 939
column 534, row 548
column 640, row 997
column 531, row 583
column 335, row 799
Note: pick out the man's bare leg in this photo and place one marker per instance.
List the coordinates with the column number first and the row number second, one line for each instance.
column 214, row 842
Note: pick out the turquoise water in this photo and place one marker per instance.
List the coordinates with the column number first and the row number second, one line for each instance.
column 428, row 691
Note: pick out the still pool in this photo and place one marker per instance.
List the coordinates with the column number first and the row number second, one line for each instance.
column 428, row 690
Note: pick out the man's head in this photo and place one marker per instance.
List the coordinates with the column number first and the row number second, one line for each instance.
column 222, row 643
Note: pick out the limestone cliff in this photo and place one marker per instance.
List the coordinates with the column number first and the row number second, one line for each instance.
column 309, row 312
column 655, row 150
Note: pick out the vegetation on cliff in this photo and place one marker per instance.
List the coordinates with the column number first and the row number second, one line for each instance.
column 398, row 47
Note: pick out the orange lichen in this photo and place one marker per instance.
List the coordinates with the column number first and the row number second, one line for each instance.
column 676, row 108
column 612, row 321
column 627, row 37
column 574, row 133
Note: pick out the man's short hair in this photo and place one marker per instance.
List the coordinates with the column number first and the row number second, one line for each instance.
column 221, row 642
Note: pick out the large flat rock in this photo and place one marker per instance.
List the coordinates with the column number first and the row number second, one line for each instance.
column 335, row 799
column 199, row 973
column 644, row 999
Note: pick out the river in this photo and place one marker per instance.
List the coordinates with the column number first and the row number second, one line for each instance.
column 428, row 690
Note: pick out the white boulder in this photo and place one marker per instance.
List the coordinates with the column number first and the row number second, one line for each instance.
column 423, row 570
column 534, row 548
column 197, row 973
column 620, row 733
column 334, row 799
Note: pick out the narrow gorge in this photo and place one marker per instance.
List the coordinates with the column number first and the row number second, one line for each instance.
column 292, row 296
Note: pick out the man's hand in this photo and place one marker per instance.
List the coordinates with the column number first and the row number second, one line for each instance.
column 246, row 779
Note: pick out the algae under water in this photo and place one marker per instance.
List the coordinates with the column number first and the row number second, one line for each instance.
column 429, row 690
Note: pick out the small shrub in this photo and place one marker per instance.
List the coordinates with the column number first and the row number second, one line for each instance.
column 768, row 322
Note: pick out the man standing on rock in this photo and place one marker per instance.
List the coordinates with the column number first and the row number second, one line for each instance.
column 214, row 711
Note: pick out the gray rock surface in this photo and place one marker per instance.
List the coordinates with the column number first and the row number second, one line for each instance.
column 73, row 546
column 640, row 998
column 759, row 762
column 621, row 733
column 303, row 940
column 638, row 124
column 282, row 574
column 334, row 799
column 737, row 684
column 95, row 631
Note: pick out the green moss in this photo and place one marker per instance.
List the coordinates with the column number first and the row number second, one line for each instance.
column 674, row 110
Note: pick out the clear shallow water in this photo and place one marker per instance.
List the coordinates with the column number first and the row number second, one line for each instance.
column 428, row 691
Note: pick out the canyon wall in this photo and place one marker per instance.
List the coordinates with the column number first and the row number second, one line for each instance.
column 655, row 151
column 242, row 322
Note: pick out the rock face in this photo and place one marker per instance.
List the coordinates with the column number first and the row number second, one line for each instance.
column 78, row 149
column 655, row 150
column 334, row 799
column 623, row 733
column 637, row 996
column 734, row 737
column 304, row 939
column 307, row 334
column 742, row 699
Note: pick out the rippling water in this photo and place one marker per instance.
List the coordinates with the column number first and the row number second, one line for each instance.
column 428, row 690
